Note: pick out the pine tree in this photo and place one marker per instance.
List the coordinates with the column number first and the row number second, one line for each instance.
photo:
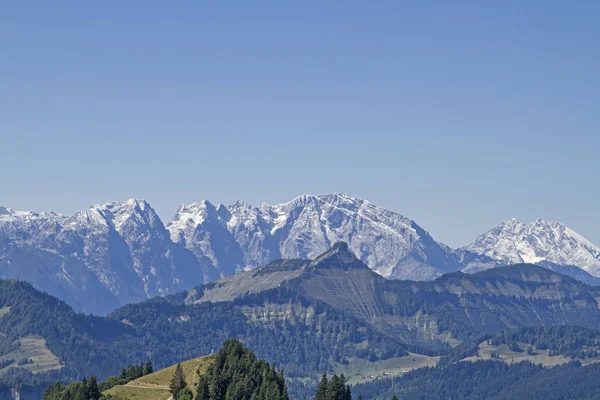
column 202, row 392
column 336, row 390
column 321, row 393
column 93, row 391
column 359, row 397
column 82, row 390
column 149, row 368
column 76, row 391
column 394, row 398
column 348, row 393
column 178, row 382
column 185, row 394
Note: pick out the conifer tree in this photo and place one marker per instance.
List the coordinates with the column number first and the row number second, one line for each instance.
column 336, row 389
column 82, row 390
column 185, row 394
column 322, row 388
column 348, row 393
column 202, row 392
column 93, row 391
column 149, row 368
column 178, row 382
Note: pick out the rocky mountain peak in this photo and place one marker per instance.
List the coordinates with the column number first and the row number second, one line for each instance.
column 338, row 257
column 191, row 216
column 514, row 242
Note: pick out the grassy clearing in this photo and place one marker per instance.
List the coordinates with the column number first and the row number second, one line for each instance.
column 508, row 356
column 139, row 393
column 359, row 371
column 156, row 386
column 32, row 348
column 4, row 310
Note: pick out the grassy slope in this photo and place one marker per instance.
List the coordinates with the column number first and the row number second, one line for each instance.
column 156, row 386
column 360, row 371
column 539, row 357
column 32, row 348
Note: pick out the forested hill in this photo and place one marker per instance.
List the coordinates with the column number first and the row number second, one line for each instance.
column 234, row 372
column 489, row 380
column 307, row 317
column 526, row 363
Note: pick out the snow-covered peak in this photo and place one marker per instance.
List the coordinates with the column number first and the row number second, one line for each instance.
column 307, row 226
column 190, row 220
column 93, row 216
column 132, row 211
column 192, row 215
column 21, row 225
column 514, row 242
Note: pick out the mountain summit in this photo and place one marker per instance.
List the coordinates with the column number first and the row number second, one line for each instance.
column 513, row 242
column 241, row 236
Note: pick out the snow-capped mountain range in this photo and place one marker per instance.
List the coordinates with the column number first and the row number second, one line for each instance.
column 117, row 253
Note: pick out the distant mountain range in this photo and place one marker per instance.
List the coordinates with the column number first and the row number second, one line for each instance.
column 118, row 253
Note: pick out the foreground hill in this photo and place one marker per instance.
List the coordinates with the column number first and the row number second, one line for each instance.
column 328, row 314
column 234, row 372
column 155, row 386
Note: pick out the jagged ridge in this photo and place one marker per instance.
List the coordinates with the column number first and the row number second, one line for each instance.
column 117, row 253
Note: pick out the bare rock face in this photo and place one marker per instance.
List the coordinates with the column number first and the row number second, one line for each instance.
column 98, row 259
column 392, row 245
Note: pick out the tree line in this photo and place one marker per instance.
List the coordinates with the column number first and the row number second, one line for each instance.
column 89, row 389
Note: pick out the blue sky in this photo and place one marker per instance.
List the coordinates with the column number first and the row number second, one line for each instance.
column 456, row 114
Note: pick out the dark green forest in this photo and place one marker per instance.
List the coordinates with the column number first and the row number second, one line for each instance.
column 572, row 341
column 489, row 380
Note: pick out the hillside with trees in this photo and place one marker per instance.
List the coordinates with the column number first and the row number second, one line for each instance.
column 489, row 380
column 234, row 372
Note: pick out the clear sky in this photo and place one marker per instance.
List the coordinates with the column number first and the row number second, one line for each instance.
column 458, row 114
